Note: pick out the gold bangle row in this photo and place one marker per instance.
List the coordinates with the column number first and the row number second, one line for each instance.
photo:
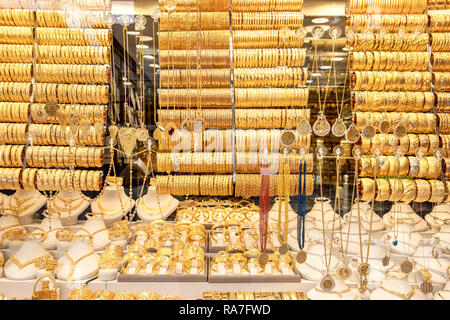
column 48, row 156
column 390, row 42
column 194, row 21
column 11, row 155
column 441, row 81
column 220, row 185
column 389, row 61
column 443, row 102
column 68, row 93
column 440, row 42
column 386, row 144
column 266, row 20
column 56, row 54
column 85, row 19
column 15, row 91
column 270, row 77
column 390, row 23
column 438, row 5
column 393, row 101
column 16, row 53
column 245, row 140
column 413, row 122
column 96, row 5
column 68, row 73
column 439, row 22
column 94, row 113
column 16, row 35
column 441, row 61
column 195, row 78
column 391, row 81
column 52, row 134
column 77, row 37
column 14, row 111
column 236, row 5
column 15, row 72
column 445, row 138
column 387, row 6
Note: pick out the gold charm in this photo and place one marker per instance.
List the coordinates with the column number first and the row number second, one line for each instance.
column 263, row 258
column 321, row 127
column 113, row 130
column 344, row 272
column 364, row 269
column 385, row 261
column 301, row 256
column 127, row 139
column 304, row 127
column 406, row 266
column 384, row 126
column 327, row 283
column 400, row 131
column 338, row 129
column 142, row 134
column 283, row 249
column 51, row 108
column 287, row 138
column 157, row 133
column 368, row 132
column 352, row 135
column 187, row 124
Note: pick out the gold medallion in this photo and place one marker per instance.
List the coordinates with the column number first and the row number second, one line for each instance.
column 327, row 283
column 142, row 134
column 406, row 266
column 301, row 256
column 400, row 131
column 384, row 126
column 304, row 128
column 338, row 129
column 287, row 138
column 263, row 258
column 284, row 249
column 364, row 269
column 51, row 108
column 127, row 139
column 368, row 132
column 113, row 130
column 352, row 135
column 157, row 133
column 187, row 124
column 426, row 286
column 344, row 272
column 321, row 127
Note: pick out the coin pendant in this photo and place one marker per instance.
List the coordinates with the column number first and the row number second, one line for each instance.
column 338, row 129
column 301, row 256
column 263, row 258
column 352, row 135
column 426, row 287
column 364, row 269
column 327, row 283
column 344, row 272
column 384, row 126
column 287, row 138
column 385, row 261
column 368, row 132
column 406, row 266
column 321, row 127
column 304, row 127
column 283, row 249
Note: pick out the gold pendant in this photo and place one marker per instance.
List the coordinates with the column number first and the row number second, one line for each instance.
column 364, row 269
column 74, row 120
column 385, row 261
column 327, row 283
column 321, row 127
column 384, row 126
column 352, row 135
column 127, row 139
column 344, row 272
column 304, row 127
column 142, row 134
column 368, row 132
column 157, row 133
column 301, row 256
column 406, row 266
column 51, row 108
column 287, row 138
column 426, row 286
column 284, row 249
column 113, row 130
column 263, row 258
column 400, row 131
column 338, row 129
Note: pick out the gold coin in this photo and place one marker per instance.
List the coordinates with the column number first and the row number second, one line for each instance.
column 301, row 256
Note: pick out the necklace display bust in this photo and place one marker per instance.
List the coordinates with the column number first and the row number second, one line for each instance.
column 340, row 292
column 292, row 215
column 95, row 227
column 154, row 206
column 69, row 204
column 396, row 287
column 8, row 222
column 21, row 265
column 26, row 202
column 403, row 212
column 314, row 217
column 423, row 257
column 114, row 204
column 444, row 294
column 51, row 224
column 439, row 216
column 365, row 211
column 80, row 262
column 407, row 239
column 351, row 231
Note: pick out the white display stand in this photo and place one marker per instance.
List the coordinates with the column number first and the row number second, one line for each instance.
column 400, row 285
column 404, row 214
column 34, row 199
column 444, row 238
column 407, row 238
column 439, row 216
column 30, row 249
column 314, row 217
column 114, row 203
column 365, row 212
column 85, row 268
column 3, row 200
column 437, row 267
column 51, row 224
column 149, row 208
column 340, row 292
column 96, row 228
column 69, row 213
column 292, row 215
column 8, row 222
column 350, row 231
column 443, row 294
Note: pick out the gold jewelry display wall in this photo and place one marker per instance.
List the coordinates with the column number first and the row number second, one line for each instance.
column 54, row 90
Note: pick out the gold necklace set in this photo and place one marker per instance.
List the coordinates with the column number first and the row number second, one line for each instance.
column 21, row 203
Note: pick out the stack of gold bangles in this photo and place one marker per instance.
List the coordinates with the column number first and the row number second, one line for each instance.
column 249, row 295
column 389, row 61
column 409, row 144
column 387, row 6
column 414, row 122
column 215, row 185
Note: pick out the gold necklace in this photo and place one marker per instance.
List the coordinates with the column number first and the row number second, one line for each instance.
column 404, row 296
column 339, row 293
column 68, row 201
column 155, row 211
column 111, row 212
column 67, row 208
column 20, row 203
column 26, row 263
column 73, row 263
column 284, row 192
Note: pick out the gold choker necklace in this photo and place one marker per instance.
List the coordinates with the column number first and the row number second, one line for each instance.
column 404, row 296
column 155, row 211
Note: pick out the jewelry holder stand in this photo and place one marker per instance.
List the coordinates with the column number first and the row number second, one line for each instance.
column 353, row 237
column 3, row 200
column 340, row 292
column 314, row 217
column 396, row 281
column 51, row 224
column 85, row 268
column 407, row 239
column 69, row 213
column 148, row 208
column 8, row 222
column 377, row 270
column 26, row 213
column 30, row 249
column 111, row 202
column 439, row 216
column 292, row 215
column 95, row 228
column 365, row 210
column 443, row 294
column 404, row 212
column 444, row 238
column 437, row 267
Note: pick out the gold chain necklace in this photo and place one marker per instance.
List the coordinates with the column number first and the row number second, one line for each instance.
column 68, row 201
column 26, row 263
column 284, row 192
column 155, row 211
column 112, row 212
column 20, row 203
column 404, row 296
column 70, row 207
column 73, row 263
